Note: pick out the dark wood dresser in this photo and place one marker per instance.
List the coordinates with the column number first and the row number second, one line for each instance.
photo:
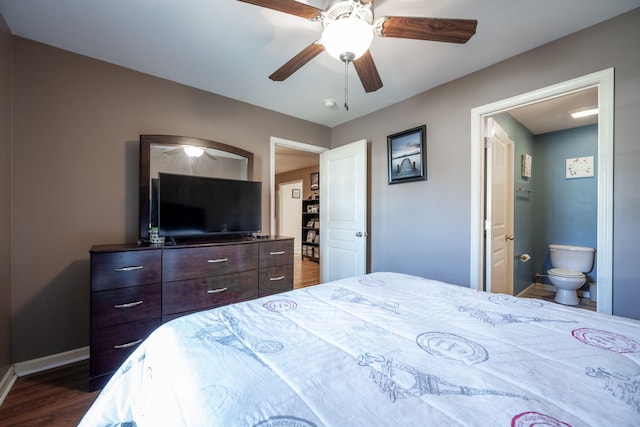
column 136, row 288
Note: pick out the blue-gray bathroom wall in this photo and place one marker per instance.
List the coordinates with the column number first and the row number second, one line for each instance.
column 523, row 206
column 566, row 210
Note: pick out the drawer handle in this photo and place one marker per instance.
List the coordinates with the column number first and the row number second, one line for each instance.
column 274, row 279
column 218, row 260
column 132, row 268
column 128, row 304
column 278, row 253
column 129, row 344
column 216, row 291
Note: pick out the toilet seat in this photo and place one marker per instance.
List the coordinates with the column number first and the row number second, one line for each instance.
column 564, row 272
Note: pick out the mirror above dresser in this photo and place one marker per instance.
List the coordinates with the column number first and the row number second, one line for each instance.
column 185, row 156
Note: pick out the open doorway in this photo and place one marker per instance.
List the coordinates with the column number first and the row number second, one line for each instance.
column 291, row 166
column 603, row 82
column 549, row 206
column 289, row 206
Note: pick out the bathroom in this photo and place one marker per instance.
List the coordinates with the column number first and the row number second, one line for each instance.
column 553, row 205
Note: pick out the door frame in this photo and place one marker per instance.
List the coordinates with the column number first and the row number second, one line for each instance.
column 275, row 141
column 604, row 81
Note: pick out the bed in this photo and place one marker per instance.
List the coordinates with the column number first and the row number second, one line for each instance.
column 385, row 349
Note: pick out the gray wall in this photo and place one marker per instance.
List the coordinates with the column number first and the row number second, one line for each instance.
column 76, row 127
column 424, row 227
column 75, row 130
column 5, row 197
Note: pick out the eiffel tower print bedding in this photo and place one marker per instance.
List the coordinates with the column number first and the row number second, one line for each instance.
column 384, row 349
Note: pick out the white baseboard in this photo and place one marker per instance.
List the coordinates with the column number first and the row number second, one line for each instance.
column 6, row 383
column 49, row 362
column 38, row 365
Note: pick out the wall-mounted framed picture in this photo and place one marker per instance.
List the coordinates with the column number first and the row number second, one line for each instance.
column 525, row 167
column 579, row 167
column 295, row 193
column 407, row 160
column 315, row 181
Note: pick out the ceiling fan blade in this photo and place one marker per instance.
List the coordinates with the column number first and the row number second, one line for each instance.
column 295, row 63
column 287, row 6
column 435, row 29
column 173, row 151
column 368, row 73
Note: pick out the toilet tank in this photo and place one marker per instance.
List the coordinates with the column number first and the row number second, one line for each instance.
column 578, row 258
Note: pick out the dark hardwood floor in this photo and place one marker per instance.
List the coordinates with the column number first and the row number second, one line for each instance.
column 57, row 397
column 60, row 397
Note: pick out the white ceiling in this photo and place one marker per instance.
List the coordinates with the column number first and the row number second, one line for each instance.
column 230, row 48
column 555, row 114
column 288, row 159
column 546, row 116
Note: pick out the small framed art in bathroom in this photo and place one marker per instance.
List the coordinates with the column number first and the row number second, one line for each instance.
column 526, row 166
column 579, row 167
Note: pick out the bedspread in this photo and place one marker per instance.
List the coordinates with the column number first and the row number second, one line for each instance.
column 385, row 349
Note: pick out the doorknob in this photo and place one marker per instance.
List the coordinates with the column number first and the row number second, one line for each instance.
column 359, row 234
column 509, row 237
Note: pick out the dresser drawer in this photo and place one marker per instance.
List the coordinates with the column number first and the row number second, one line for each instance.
column 208, row 292
column 276, row 279
column 112, row 270
column 117, row 306
column 191, row 263
column 110, row 346
column 277, row 252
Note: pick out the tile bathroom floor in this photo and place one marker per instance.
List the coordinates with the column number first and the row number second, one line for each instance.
column 541, row 292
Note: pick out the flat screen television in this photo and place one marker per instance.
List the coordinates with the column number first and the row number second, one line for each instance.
column 195, row 207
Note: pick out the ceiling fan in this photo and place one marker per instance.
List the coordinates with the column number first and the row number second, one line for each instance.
column 349, row 27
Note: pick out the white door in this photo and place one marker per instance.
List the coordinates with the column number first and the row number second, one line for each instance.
column 343, row 211
column 499, row 218
column 290, row 212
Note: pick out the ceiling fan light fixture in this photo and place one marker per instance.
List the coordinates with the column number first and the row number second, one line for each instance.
column 192, row 151
column 347, row 39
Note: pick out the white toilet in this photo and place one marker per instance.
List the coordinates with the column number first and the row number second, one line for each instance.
column 569, row 263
